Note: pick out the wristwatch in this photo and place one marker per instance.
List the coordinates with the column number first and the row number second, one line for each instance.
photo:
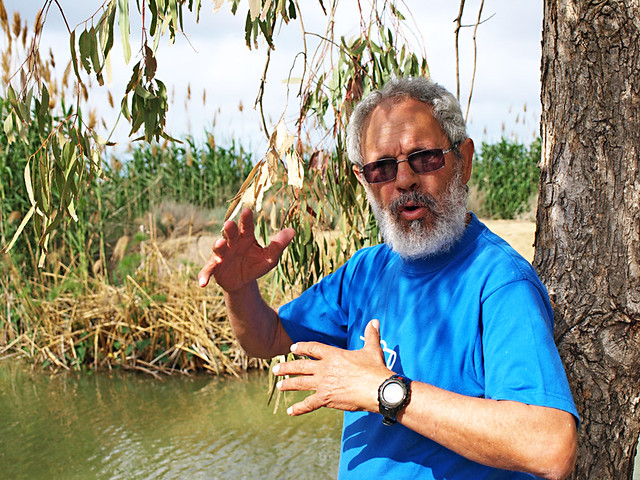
column 393, row 395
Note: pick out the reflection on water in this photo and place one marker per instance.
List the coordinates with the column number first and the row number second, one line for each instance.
column 124, row 426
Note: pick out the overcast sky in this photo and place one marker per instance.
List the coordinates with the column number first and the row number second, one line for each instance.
column 216, row 59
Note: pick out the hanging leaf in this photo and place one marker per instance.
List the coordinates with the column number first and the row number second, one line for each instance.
column 19, row 230
column 295, row 170
column 254, row 9
column 123, row 22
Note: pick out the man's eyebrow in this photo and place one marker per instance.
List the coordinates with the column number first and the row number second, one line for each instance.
column 411, row 151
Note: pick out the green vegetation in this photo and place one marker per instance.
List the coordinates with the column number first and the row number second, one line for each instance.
column 505, row 177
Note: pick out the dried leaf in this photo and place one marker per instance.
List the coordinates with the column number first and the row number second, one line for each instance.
column 28, row 183
column 283, row 139
column 254, row 9
column 295, row 170
column 23, row 224
column 265, row 10
column 235, row 204
column 123, row 22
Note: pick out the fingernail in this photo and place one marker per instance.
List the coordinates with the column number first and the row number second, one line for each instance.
column 275, row 369
column 279, row 385
column 294, row 347
column 290, row 411
column 202, row 281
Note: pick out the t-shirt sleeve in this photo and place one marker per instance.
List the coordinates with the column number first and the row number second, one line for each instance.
column 521, row 360
column 319, row 313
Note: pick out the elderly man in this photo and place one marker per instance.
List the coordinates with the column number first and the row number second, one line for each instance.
column 437, row 345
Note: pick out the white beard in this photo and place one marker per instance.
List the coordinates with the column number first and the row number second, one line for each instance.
column 417, row 240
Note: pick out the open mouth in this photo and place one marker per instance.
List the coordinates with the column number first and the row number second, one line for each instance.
column 410, row 208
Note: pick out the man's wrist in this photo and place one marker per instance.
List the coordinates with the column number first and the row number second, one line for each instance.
column 393, row 395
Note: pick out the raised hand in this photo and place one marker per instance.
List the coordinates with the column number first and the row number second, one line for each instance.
column 238, row 259
column 343, row 379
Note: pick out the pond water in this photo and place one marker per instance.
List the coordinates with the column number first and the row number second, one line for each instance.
column 127, row 426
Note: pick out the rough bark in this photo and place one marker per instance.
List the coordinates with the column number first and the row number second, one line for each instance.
column 588, row 236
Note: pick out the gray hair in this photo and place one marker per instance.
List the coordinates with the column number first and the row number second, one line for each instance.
column 446, row 110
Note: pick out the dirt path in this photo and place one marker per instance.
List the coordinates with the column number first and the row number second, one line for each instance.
column 519, row 233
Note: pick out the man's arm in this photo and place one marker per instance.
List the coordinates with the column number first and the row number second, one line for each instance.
column 236, row 264
column 502, row 434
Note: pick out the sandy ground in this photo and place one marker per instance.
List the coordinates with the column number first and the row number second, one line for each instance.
column 519, row 233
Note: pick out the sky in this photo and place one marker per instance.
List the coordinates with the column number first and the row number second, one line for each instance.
column 213, row 57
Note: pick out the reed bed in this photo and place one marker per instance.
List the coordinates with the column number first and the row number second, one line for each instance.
column 157, row 321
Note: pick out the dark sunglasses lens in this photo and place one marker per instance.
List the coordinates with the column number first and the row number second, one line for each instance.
column 380, row 171
column 427, row 161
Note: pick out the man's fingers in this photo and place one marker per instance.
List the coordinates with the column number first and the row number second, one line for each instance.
column 311, row 349
column 303, row 383
column 230, row 231
column 220, row 247
column 308, row 405
column 207, row 270
column 278, row 243
column 372, row 334
column 295, row 367
column 245, row 222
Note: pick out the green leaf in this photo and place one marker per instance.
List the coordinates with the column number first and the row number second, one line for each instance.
column 109, row 29
column 173, row 6
column 153, row 7
column 74, row 55
column 85, row 50
column 94, row 51
column 44, row 99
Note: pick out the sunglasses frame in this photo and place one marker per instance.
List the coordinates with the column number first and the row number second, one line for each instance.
column 361, row 168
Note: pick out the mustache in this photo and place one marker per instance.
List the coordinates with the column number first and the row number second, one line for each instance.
column 415, row 199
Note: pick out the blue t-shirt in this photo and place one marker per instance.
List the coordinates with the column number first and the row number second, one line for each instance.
column 475, row 321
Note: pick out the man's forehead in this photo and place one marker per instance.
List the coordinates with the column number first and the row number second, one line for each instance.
column 400, row 122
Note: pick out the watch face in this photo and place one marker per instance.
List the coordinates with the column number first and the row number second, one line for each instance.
column 393, row 393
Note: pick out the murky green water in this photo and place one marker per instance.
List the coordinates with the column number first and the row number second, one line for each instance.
column 127, row 426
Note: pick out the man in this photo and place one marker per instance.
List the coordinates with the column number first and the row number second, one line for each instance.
column 438, row 345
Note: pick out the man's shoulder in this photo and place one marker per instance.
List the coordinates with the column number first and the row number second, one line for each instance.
column 497, row 257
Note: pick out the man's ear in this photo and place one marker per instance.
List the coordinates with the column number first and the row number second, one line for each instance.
column 359, row 176
column 466, row 150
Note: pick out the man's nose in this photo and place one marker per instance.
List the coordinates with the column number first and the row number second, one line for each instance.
column 406, row 179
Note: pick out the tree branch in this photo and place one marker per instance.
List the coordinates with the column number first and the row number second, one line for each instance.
column 475, row 58
column 458, row 22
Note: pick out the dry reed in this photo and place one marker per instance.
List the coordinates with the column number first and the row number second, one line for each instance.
column 158, row 321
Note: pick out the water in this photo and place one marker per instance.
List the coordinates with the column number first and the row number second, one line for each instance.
column 114, row 426
column 127, row 426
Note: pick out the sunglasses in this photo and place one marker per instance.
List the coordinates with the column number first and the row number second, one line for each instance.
column 422, row 161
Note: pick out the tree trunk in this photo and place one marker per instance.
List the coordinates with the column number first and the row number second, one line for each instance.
column 588, row 236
